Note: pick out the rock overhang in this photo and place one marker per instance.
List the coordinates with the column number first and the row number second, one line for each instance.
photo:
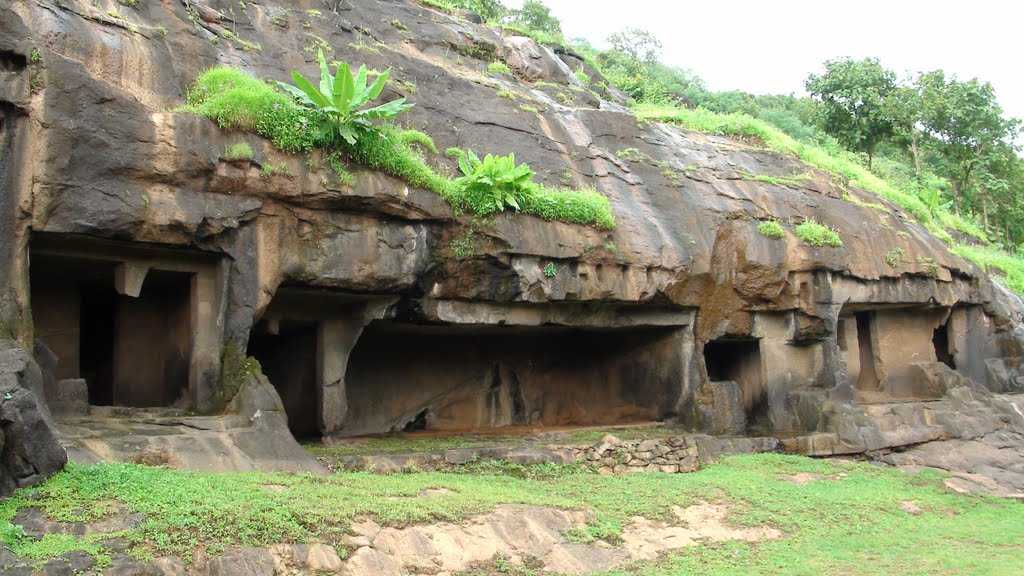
column 105, row 152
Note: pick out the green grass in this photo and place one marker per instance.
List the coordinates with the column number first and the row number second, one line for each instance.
column 814, row 233
column 849, row 522
column 994, row 260
column 771, row 229
column 238, row 101
column 238, row 151
column 836, row 162
column 787, row 181
column 497, row 68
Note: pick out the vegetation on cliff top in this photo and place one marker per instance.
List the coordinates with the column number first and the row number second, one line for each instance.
column 842, row 520
column 336, row 117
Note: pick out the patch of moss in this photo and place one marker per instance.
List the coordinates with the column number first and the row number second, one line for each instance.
column 235, row 369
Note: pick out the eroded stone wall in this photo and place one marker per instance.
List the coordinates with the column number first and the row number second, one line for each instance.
column 459, row 378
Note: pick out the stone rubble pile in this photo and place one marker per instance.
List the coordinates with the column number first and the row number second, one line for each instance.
column 672, row 454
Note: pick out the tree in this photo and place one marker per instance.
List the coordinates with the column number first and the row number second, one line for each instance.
column 638, row 47
column 967, row 125
column 534, row 15
column 631, row 62
column 852, row 95
column 903, row 108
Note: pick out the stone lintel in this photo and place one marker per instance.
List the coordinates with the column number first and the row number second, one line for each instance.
column 129, row 277
column 585, row 315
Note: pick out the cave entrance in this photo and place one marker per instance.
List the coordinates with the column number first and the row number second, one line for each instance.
column 131, row 351
column 735, row 373
column 942, row 344
column 287, row 352
column 867, row 378
column 412, row 377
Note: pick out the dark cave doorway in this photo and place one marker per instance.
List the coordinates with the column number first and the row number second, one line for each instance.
column 131, row 351
column 287, row 352
column 738, row 360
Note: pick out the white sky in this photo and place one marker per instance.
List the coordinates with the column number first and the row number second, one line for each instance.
column 769, row 47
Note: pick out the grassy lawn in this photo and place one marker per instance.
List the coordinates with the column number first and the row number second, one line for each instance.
column 849, row 521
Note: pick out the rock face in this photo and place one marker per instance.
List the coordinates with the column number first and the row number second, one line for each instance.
column 29, row 450
column 149, row 264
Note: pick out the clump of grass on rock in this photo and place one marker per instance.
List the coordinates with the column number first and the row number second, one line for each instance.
column 771, row 229
column 817, row 234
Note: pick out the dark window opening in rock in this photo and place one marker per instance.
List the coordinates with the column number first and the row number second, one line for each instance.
column 868, row 377
column 418, row 423
column 940, row 339
column 12, row 61
column 739, row 361
column 286, row 350
column 132, row 352
column 460, row 378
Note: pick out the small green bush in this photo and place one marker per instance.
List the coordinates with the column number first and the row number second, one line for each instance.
column 340, row 98
column 238, row 151
column 482, row 189
column 816, row 234
column 894, row 257
column 497, row 68
column 490, row 185
column 550, row 270
column 771, row 229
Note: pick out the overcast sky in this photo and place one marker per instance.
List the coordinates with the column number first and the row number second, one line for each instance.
column 770, row 47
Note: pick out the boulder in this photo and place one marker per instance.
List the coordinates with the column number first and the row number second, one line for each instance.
column 29, row 449
column 931, row 380
column 69, row 397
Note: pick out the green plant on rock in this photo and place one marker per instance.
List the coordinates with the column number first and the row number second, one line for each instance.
column 497, row 68
column 238, row 151
column 550, row 270
column 771, row 229
column 340, row 100
column 816, row 234
column 894, row 257
column 236, row 100
column 490, row 185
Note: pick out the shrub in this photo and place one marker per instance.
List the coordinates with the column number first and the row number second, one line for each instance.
column 238, row 151
column 771, row 229
column 340, row 99
column 894, row 257
column 550, row 270
column 497, row 68
column 816, row 234
column 490, row 185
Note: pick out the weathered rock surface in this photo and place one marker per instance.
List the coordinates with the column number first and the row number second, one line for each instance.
column 375, row 308
column 530, row 535
column 254, row 436
column 29, row 449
